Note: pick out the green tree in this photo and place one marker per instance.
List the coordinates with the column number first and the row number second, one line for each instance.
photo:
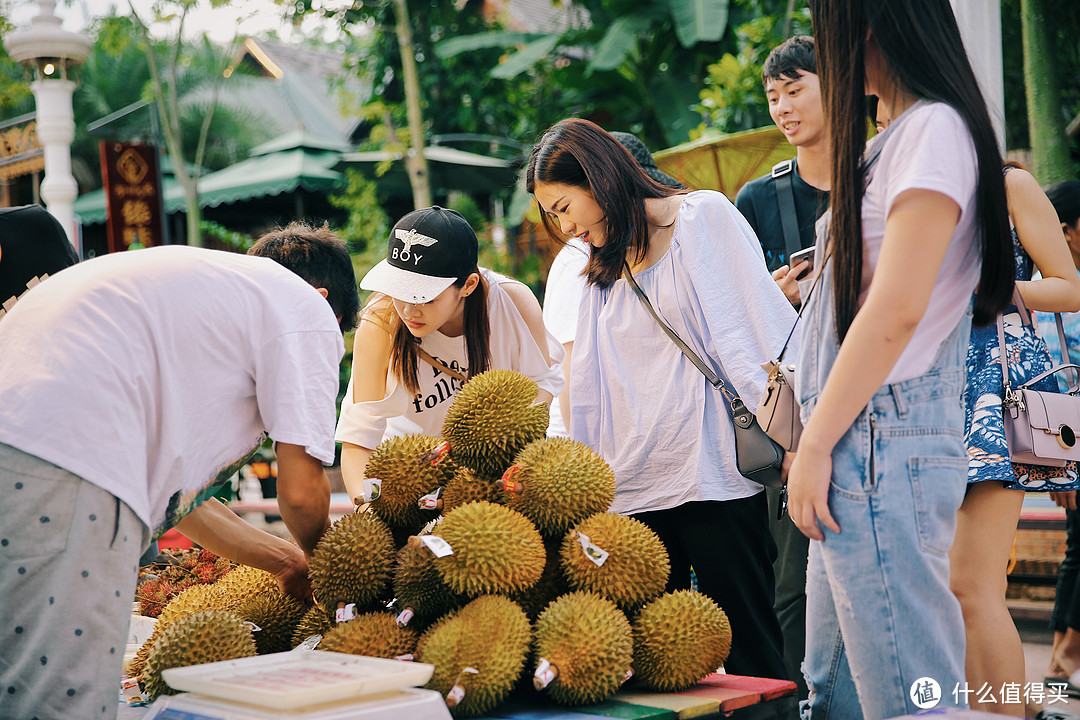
column 732, row 98
column 15, row 95
column 1046, row 126
column 1061, row 22
column 641, row 62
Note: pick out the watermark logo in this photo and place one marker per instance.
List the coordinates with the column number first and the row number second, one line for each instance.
column 925, row 693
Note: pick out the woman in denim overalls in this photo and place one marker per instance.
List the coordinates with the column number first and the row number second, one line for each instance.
column 881, row 467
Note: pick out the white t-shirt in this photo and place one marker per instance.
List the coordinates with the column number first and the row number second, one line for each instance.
column 638, row 401
column 512, row 347
column 562, row 300
column 152, row 374
column 930, row 150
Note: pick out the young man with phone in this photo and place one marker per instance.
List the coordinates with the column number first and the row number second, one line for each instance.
column 783, row 207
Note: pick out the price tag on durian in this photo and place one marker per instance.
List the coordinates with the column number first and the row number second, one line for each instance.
column 252, row 626
column 595, row 553
column 438, row 546
column 431, row 500
column 344, row 614
column 404, row 617
column 130, row 688
column 372, row 489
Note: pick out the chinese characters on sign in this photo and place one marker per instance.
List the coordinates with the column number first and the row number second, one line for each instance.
column 134, row 212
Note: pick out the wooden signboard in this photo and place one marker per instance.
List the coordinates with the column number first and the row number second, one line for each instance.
column 133, row 203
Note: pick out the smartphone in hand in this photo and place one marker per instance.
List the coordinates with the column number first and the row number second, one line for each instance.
column 798, row 257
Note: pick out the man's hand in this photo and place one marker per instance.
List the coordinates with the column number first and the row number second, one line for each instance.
column 292, row 577
column 788, row 280
column 1064, row 499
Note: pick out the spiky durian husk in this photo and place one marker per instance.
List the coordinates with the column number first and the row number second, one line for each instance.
column 135, row 667
column 467, row 486
column 276, row 615
column 316, row 621
column 588, row 641
column 188, row 601
column 396, row 462
column 352, row 561
column 564, row 482
column 552, row 582
column 636, row 569
column 202, row 637
column 679, row 639
column 490, row 634
column 241, row 584
column 418, row 585
column 492, row 418
column 496, row 550
column 375, row 634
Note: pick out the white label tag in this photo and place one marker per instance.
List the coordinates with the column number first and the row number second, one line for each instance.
column 252, row 626
column 344, row 614
column 130, row 687
column 404, row 617
column 595, row 553
column 372, row 489
column 431, row 500
column 407, row 657
column 437, row 545
column 544, row 674
column 310, row 644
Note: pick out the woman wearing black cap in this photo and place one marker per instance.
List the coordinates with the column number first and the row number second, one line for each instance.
column 436, row 320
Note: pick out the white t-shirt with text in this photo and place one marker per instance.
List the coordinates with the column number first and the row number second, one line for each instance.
column 400, row 412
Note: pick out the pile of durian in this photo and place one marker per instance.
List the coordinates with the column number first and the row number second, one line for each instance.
column 488, row 553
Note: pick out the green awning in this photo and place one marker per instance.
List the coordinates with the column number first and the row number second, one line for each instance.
column 266, row 175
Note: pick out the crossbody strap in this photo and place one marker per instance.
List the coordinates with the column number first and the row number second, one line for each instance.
column 426, row 357
column 717, row 381
column 782, row 173
column 1026, row 319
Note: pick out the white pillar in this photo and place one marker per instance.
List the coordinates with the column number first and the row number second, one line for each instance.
column 56, row 130
column 980, row 27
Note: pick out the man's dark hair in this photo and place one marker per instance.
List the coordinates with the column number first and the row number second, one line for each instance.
column 1065, row 197
column 320, row 258
column 790, row 59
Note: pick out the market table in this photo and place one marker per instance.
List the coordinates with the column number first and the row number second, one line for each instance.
column 717, row 696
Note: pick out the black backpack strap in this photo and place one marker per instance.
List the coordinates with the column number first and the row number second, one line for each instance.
column 782, row 174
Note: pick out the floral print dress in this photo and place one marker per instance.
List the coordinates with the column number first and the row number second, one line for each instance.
column 988, row 454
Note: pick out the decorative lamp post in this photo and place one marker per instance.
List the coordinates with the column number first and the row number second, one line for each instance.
column 52, row 52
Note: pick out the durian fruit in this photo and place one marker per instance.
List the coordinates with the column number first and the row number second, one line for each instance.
column 419, row 589
column 202, row 637
column 467, row 486
column 557, row 482
column 636, row 567
column 583, row 649
column 478, row 653
column 495, row 550
column 404, row 479
column 552, row 582
column 135, row 668
column 276, row 615
column 374, row 634
column 679, row 639
column 241, row 584
column 493, row 416
column 352, row 562
column 188, row 601
column 316, row 621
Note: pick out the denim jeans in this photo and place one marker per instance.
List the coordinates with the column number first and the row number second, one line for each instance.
column 881, row 618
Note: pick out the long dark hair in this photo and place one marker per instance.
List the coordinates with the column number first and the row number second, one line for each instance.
column 581, row 153
column 404, row 355
column 921, row 45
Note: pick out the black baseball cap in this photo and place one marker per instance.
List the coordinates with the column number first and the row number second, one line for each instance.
column 428, row 250
column 644, row 158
